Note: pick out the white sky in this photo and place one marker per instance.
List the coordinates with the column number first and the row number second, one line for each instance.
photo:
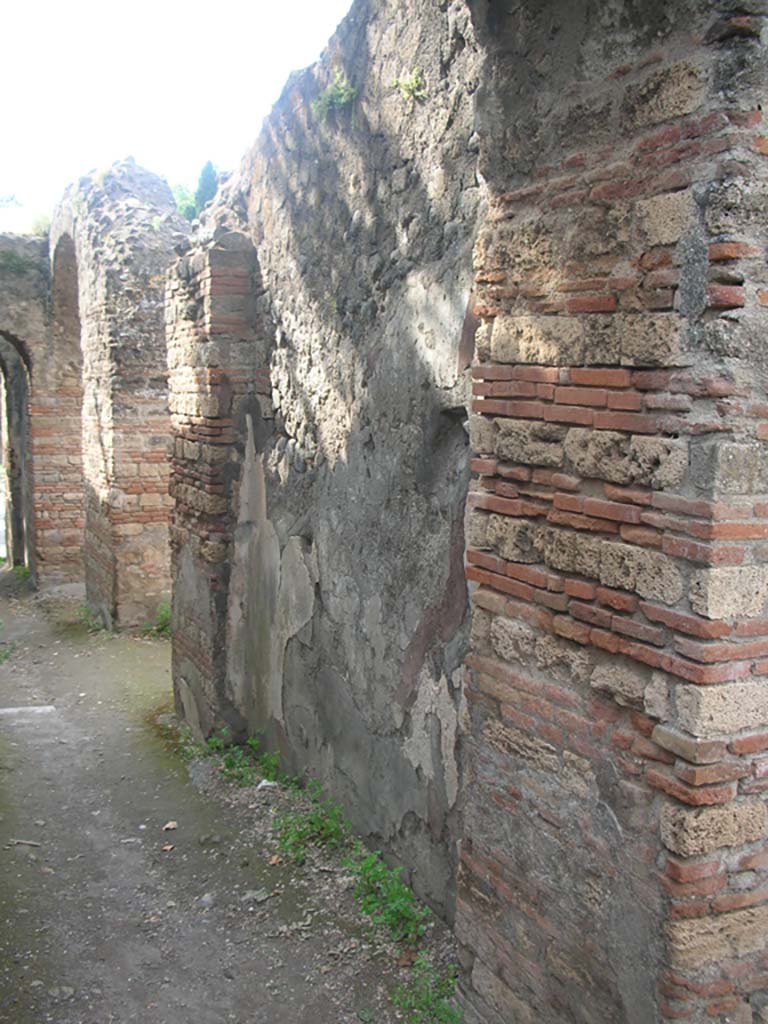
column 172, row 84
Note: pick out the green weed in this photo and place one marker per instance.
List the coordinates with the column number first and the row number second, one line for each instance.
column 189, row 747
column 385, row 897
column 412, row 86
column 22, row 572
column 91, row 620
column 7, row 647
column 162, row 624
column 428, row 997
column 321, row 824
column 339, row 94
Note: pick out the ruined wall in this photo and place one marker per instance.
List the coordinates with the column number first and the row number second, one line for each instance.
column 24, row 323
column 613, row 859
column 320, row 462
column 613, row 841
column 83, row 351
column 102, row 383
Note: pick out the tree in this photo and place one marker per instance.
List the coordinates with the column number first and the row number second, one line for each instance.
column 185, row 202
column 206, row 187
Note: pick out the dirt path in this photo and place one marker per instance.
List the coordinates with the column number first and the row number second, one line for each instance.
column 100, row 925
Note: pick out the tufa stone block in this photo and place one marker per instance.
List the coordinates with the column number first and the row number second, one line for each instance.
column 728, row 591
column 692, row 832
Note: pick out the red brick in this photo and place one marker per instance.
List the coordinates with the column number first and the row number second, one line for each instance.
column 588, row 613
column 592, row 303
column 509, row 407
column 485, row 560
column 705, row 674
column 485, row 466
column 540, row 374
column 557, row 602
column 720, row 251
column 737, row 900
column 526, row 573
column 622, row 513
column 599, row 378
column 487, row 371
column 642, row 536
column 582, row 522
column 719, row 652
column 750, row 744
column 626, row 401
column 695, row 796
column 634, row 495
column 754, row 861
column 684, row 871
column 760, row 142
column 502, row 583
column 649, row 751
column 568, row 502
column 566, row 627
column 580, row 589
column 605, row 640
column 706, row 629
column 638, row 631
column 568, row 414
column 635, row 423
column 581, row 396
column 617, row 599
column 725, row 296
column 505, row 506
column 706, row 553
column 705, row 775
column 522, row 473
column 565, row 482
column 702, row 887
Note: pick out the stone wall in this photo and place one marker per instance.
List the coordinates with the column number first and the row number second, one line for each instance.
column 613, row 859
column 603, row 767
column 321, row 458
column 111, row 241
column 24, row 301
column 88, row 332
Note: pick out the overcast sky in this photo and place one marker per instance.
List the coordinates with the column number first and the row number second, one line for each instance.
column 172, row 84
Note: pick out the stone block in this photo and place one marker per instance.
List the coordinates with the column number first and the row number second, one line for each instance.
column 476, row 528
column 532, row 443
column 546, row 340
column 695, row 943
column 482, row 435
column 512, row 640
column 513, row 539
column 649, row 573
column 623, row 682
column 720, row 710
column 692, row 832
column 569, row 551
column 651, row 339
column 673, row 92
column 728, row 591
column 665, row 218
column 728, row 467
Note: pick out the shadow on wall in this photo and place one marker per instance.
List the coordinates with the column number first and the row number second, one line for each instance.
column 347, row 602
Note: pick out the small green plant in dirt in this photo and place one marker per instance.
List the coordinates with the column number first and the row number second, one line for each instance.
column 428, row 997
column 386, row 899
column 162, row 624
column 339, row 94
column 189, row 747
column 21, row 572
column 412, row 86
column 321, row 824
column 7, row 648
column 91, row 620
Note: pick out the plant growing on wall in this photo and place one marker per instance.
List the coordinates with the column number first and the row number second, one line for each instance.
column 412, row 86
column 340, row 93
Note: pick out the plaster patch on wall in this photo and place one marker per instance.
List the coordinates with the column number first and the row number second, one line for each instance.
column 434, row 699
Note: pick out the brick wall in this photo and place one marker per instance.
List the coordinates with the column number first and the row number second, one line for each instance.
column 613, row 859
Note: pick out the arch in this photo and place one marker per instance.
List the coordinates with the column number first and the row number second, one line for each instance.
column 16, row 457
